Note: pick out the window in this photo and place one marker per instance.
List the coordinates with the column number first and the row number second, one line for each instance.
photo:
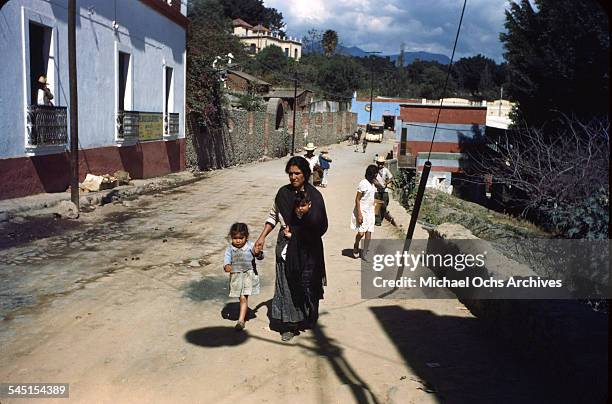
column 125, row 82
column 169, row 98
column 41, row 59
column 253, row 48
column 403, row 142
column 286, row 52
column 295, row 53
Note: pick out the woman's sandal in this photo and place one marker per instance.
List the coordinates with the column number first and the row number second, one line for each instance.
column 287, row 335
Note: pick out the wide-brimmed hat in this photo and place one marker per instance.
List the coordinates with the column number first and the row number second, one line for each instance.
column 381, row 159
column 310, row 146
column 324, row 150
column 42, row 80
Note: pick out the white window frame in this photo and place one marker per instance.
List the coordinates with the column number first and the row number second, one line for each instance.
column 129, row 89
column 27, row 16
column 172, row 96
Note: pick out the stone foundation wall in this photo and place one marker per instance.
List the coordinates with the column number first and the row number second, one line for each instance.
column 249, row 136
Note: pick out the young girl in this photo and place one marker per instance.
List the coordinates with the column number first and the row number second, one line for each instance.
column 363, row 213
column 239, row 261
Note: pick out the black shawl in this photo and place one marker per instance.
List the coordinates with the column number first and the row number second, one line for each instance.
column 305, row 264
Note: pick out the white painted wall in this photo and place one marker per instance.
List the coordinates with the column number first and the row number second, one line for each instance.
column 151, row 38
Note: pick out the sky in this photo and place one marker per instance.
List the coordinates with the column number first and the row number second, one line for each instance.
column 383, row 25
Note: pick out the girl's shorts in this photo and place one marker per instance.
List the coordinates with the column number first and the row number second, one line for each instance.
column 244, row 284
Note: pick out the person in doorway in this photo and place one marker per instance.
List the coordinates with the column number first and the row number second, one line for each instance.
column 382, row 181
column 362, row 220
column 300, row 272
column 325, row 164
column 44, row 95
column 239, row 261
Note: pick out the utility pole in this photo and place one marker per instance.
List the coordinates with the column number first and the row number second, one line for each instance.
column 74, row 105
column 371, row 81
column 294, row 109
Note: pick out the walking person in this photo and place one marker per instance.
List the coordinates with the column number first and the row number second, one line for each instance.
column 325, row 164
column 383, row 179
column 300, row 271
column 362, row 220
column 364, row 143
column 239, row 262
column 313, row 160
column 356, row 138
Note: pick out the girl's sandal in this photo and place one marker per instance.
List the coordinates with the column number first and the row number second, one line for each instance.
column 239, row 326
column 355, row 252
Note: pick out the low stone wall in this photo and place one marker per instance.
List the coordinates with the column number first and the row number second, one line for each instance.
column 250, row 136
column 566, row 336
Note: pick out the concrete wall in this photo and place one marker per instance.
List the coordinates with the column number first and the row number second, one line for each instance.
column 250, row 136
column 152, row 39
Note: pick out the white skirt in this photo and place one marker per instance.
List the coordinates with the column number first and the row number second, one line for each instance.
column 368, row 219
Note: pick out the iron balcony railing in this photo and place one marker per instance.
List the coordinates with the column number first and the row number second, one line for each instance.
column 127, row 125
column 171, row 124
column 47, row 125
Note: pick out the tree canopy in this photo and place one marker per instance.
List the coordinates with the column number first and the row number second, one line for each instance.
column 558, row 59
column 254, row 12
column 329, row 42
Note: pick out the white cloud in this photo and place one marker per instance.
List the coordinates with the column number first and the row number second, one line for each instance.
column 424, row 25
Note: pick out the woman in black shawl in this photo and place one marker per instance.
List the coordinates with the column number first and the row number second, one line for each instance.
column 300, row 265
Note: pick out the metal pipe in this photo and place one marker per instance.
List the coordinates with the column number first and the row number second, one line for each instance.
column 414, row 215
column 74, row 105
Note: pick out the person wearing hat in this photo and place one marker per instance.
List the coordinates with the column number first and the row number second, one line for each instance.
column 313, row 160
column 44, row 95
column 382, row 181
column 324, row 163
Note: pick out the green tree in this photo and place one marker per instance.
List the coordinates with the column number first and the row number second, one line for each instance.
column 558, row 59
column 209, row 35
column 338, row 77
column 311, row 42
column 475, row 76
column 254, row 12
column 329, row 42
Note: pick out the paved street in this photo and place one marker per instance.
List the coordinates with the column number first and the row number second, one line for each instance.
column 129, row 304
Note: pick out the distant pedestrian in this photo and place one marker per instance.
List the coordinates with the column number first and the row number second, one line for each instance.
column 325, row 164
column 382, row 181
column 44, row 95
column 239, row 261
column 363, row 213
column 364, row 142
column 313, row 162
column 356, row 138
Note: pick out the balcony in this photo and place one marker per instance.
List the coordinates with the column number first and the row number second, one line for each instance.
column 138, row 126
column 128, row 124
column 46, row 126
column 171, row 125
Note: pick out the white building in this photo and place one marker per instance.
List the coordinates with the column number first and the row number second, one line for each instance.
column 258, row 37
column 131, row 91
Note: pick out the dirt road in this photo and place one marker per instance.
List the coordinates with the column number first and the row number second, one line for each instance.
column 130, row 305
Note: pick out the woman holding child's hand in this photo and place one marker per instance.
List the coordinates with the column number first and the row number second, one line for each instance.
column 300, row 265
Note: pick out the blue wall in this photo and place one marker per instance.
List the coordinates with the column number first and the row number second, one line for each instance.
column 378, row 108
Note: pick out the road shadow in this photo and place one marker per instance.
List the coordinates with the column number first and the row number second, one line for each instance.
column 348, row 252
column 460, row 360
column 213, row 337
column 231, row 311
column 208, row 288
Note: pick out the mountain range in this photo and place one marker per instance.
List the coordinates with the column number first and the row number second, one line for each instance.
column 409, row 57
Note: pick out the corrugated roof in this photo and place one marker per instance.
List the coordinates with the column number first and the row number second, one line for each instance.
column 260, row 27
column 250, row 78
column 239, row 22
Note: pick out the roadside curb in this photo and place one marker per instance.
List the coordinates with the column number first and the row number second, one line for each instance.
column 42, row 203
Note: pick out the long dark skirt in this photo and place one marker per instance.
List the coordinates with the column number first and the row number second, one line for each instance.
column 285, row 310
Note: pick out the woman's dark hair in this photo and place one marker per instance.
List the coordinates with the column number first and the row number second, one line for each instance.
column 301, row 163
column 301, row 199
column 239, row 228
column 371, row 172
